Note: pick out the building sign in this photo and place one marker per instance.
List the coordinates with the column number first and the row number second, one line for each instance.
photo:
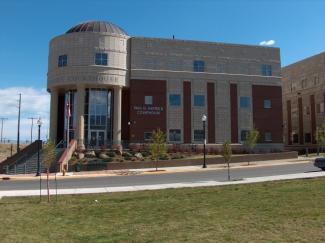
column 148, row 110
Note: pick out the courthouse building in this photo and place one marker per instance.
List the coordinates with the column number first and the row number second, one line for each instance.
column 120, row 88
column 303, row 99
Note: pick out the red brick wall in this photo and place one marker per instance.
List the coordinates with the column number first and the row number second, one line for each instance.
column 234, row 113
column 289, row 122
column 301, row 121
column 268, row 120
column 211, row 113
column 125, row 114
column 146, row 118
column 313, row 118
column 187, row 106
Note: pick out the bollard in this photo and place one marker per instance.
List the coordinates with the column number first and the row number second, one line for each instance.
column 306, row 152
column 317, row 151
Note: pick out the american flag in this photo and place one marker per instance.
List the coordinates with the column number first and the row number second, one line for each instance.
column 68, row 110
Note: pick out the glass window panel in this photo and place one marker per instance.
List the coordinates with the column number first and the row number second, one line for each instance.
column 198, row 135
column 174, row 135
column 244, row 102
column 267, row 104
column 199, row 100
column 174, row 100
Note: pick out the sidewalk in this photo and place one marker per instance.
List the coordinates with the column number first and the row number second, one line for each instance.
column 180, row 169
column 18, row 193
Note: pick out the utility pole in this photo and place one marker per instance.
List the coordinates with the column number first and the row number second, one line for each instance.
column 2, row 120
column 31, row 128
column 18, row 130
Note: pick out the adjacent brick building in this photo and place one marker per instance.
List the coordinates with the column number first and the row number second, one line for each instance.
column 122, row 88
column 303, row 100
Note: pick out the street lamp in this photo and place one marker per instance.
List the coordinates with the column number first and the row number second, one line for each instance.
column 39, row 123
column 204, row 118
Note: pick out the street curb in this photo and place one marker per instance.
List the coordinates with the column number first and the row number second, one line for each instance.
column 19, row 193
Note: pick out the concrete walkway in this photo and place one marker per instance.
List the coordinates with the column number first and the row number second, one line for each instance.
column 161, row 186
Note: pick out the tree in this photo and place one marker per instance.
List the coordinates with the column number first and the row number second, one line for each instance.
column 226, row 154
column 48, row 159
column 320, row 136
column 158, row 146
column 251, row 140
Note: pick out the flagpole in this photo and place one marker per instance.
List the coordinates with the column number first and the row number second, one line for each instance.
column 68, row 124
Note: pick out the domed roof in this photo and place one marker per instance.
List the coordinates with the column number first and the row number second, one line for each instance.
column 98, row 26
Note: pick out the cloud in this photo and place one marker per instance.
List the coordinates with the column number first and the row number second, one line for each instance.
column 34, row 103
column 267, row 43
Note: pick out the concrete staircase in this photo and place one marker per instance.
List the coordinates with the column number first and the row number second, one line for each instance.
column 28, row 164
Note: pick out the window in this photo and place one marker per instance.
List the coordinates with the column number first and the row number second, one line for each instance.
column 147, row 136
column 244, row 102
column 198, row 135
column 101, row 59
column 243, row 135
column 174, row 100
column 148, row 100
column 174, row 135
column 268, row 137
column 63, row 61
column 295, row 138
column 198, row 66
column 307, row 138
column 266, row 70
column 267, row 104
column 307, row 110
column 199, row 100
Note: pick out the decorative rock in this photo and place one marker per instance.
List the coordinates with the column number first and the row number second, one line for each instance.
column 103, row 156
column 81, row 155
column 139, row 156
column 90, row 154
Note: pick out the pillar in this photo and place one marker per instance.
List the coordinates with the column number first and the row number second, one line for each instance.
column 80, row 131
column 117, row 115
column 54, row 114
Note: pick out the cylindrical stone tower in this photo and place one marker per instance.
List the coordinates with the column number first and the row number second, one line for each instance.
column 87, row 69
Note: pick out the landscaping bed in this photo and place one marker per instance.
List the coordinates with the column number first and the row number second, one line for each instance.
column 112, row 160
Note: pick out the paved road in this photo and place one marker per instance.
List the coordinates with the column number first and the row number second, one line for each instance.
column 147, row 179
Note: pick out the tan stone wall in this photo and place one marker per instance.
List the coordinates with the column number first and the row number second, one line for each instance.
column 172, row 60
column 80, row 49
column 302, row 79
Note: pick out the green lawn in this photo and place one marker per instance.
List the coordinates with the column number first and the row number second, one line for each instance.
column 279, row 211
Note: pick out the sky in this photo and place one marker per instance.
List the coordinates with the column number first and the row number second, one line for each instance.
column 297, row 27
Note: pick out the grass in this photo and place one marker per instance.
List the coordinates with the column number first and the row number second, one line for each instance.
column 267, row 212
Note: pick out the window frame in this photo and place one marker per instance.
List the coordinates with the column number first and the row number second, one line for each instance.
column 266, row 70
column 173, row 103
column 247, row 104
column 198, row 66
column 63, row 60
column 174, row 136
column 195, row 138
column 195, row 97
column 266, row 139
column 100, row 60
column 148, row 100
column 267, row 106
column 147, row 139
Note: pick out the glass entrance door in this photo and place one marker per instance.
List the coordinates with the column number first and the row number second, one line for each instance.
column 97, row 138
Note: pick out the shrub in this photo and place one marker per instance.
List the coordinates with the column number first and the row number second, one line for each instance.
column 126, row 154
column 164, row 157
column 146, row 153
column 109, row 159
column 111, row 154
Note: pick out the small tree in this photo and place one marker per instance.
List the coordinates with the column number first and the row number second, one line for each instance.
column 226, row 154
column 251, row 140
column 48, row 159
column 158, row 146
column 320, row 136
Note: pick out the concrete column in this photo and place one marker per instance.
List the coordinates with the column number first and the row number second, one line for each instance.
column 117, row 117
column 80, row 116
column 54, row 114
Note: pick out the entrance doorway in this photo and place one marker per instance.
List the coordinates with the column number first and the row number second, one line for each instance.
column 97, row 138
